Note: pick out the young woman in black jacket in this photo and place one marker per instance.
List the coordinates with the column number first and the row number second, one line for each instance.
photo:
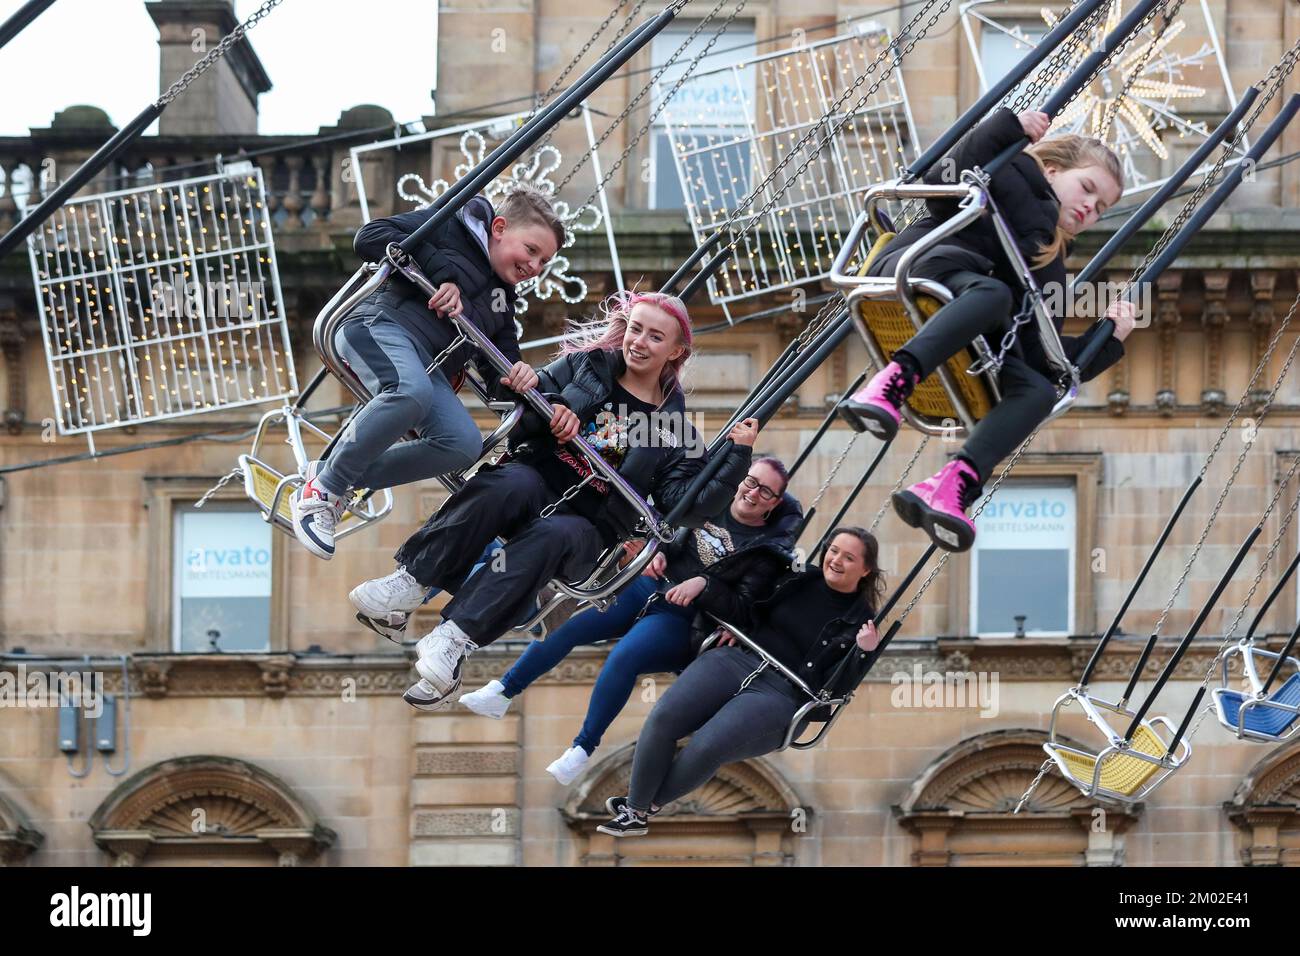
column 616, row 382
column 731, row 705
column 1049, row 194
column 652, row 619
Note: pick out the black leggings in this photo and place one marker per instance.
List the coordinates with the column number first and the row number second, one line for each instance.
column 505, row 500
column 725, row 723
column 981, row 305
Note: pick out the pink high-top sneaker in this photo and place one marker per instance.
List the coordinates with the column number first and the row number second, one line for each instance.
column 939, row 504
column 875, row 406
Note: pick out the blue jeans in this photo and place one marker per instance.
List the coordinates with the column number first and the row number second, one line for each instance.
column 658, row 643
column 392, row 366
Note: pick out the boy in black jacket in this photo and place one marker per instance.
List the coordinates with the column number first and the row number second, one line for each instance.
column 475, row 261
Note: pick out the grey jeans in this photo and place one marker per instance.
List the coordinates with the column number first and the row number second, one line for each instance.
column 392, row 366
column 724, row 723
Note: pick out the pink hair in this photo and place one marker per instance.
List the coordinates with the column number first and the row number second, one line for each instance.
column 607, row 330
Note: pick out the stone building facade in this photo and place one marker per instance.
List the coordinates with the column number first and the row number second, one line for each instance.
column 302, row 752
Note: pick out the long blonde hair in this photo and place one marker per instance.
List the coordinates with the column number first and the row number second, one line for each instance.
column 1071, row 151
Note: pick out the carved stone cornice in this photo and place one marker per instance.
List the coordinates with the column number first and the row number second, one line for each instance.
column 18, row 838
column 1056, row 660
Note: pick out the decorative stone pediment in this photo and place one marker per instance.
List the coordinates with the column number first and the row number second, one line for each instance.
column 748, row 800
column 207, row 804
column 1266, row 809
column 18, row 838
column 963, row 805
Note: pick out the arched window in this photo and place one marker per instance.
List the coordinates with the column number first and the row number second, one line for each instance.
column 1266, row 811
column 18, row 838
column 747, row 815
column 960, row 810
column 203, row 810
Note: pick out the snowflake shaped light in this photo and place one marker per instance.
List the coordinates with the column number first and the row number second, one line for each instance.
column 1132, row 103
column 532, row 171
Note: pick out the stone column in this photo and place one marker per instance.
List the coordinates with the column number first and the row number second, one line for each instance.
column 465, row 785
column 224, row 99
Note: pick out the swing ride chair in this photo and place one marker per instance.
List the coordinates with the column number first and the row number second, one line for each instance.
column 817, row 700
column 1258, row 714
column 889, row 310
column 1122, row 770
column 607, row 578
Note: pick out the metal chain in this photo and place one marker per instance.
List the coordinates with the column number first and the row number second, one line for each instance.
column 816, row 130
column 907, row 470
column 819, row 321
column 1048, row 74
column 1223, row 495
column 235, row 472
column 1047, row 77
column 569, row 495
column 994, row 362
column 1272, row 551
column 564, row 74
column 554, row 87
column 830, row 475
column 1138, row 67
column 1241, row 611
column 663, row 103
column 441, row 357
column 1270, row 86
column 657, row 111
column 1042, row 772
column 216, row 53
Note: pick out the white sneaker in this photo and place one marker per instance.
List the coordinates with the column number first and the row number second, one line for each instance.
column 316, row 513
column 489, row 701
column 394, row 592
column 570, row 764
column 422, row 696
column 441, row 653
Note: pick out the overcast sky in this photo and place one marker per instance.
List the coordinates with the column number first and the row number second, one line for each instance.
column 322, row 56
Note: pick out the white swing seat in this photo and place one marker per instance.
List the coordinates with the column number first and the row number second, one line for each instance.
column 271, row 490
column 887, row 311
column 819, row 708
column 1123, row 771
column 1255, row 715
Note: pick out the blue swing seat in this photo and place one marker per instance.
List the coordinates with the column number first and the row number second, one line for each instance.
column 1257, row 719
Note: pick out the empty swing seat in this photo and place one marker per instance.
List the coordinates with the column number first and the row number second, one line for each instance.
column 1120, row 773
column 1271, row 717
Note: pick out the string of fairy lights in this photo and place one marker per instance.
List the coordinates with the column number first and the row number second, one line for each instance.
column 723, row 137
column 161, row 301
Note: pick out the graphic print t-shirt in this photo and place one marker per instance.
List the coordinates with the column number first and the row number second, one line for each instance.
column 714, row 540
column 623, row 418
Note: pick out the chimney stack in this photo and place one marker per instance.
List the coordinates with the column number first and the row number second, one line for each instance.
column 223, row 101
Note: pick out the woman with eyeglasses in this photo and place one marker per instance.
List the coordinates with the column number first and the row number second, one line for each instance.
column 711, row 568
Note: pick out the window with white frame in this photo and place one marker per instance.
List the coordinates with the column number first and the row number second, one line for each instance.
column 1005, row 42
column 221, row 578
column 717, row 88
column 1023, row 562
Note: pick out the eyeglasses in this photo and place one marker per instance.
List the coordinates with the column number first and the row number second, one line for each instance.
column 764, row 492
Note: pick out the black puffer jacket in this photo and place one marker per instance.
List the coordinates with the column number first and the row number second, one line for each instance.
column 1032, row 210
column 458, row 253
column 736, row 580
column 661, row 470
column 835, row 639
